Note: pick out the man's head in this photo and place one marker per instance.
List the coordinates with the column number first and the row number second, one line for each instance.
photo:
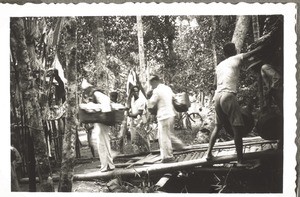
column 229, row 49
column 135, row 92
column 154, row 81
column 113, row 96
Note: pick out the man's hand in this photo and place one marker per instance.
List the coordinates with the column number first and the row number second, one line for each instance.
column 149, row 94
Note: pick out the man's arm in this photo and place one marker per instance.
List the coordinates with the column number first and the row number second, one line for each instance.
column 252, row 52
column 103, row 100
column 152, row 102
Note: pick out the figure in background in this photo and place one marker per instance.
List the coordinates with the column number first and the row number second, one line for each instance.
column 228, row 113
column 138, row 119
column 114, row 96
column 162, row 98
column 15, row 161
column 273, row 82
column 101, row 131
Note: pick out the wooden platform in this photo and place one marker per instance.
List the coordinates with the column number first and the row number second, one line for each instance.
column 190, row 159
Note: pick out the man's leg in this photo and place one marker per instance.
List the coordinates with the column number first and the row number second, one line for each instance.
column 212, row 141
column 218, row 116
column 164, row 139
column 238, row 141
column 104, row 148
column 231, row 107
column 177, row 144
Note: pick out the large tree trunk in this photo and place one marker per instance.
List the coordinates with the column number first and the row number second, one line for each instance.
column 69, row 141
column 240, row 31
column 171, row 56
column 103, row 76
column 143, row 74
column 256, row 35
column 33, row 116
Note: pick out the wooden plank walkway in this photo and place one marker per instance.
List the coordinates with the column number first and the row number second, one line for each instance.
column 189, row 158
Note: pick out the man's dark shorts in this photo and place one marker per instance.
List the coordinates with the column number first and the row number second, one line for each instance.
column 227, row 110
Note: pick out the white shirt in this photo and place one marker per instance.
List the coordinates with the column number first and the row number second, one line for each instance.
column 163, row 97
column 136, row 105
column 103, row 100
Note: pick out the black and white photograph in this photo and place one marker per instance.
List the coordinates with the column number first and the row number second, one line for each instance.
column 145, row 98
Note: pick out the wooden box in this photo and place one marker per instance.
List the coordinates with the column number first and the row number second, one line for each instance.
column 108, row 118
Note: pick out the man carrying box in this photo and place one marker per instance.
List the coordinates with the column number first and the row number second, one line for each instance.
column 101, row 131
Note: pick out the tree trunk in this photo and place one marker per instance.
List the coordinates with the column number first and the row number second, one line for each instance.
column 103, row 76
column 56, row 34
column 255, row 27
column 240, row 32
column 33, row 112
column 214, row 25
column 171, row 56
column 256, row 35
column 69, row 141
column 143, row 74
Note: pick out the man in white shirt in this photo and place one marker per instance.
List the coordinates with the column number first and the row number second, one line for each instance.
column 101, row 131
column 162, row 97
column 228, row 114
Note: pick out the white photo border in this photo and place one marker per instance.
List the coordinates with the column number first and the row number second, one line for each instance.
column 82, row 9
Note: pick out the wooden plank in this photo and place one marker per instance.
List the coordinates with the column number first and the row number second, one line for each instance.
column 254, row 149
column 267, row 146
column 201, row 155
column 195, row 155
column 182, row 158
column 154, row 159
column 188, row 156
column 204, row 146
column 231, row 142
column 247, row 149
column 142, row 161
column 177, row 158
column 169, row 167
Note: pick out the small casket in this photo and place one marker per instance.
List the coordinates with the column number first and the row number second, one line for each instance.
column 181, row 102
column 91, row 113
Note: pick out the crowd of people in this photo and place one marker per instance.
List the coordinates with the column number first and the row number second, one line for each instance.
column 227, row 110
column 159, row 101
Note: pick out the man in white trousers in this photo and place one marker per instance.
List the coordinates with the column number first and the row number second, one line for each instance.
column 101, row 131
column 162, row 97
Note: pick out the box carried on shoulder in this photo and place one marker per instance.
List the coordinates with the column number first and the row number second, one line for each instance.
column 109, row 118
column 181, row 102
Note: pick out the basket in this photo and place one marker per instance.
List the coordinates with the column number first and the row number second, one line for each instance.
column 108, row 118
column 181, row 102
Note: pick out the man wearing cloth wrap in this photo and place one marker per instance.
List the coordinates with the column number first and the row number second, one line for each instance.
column 228, row 114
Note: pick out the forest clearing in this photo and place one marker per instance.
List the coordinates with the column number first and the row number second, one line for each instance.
column 59, row 65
